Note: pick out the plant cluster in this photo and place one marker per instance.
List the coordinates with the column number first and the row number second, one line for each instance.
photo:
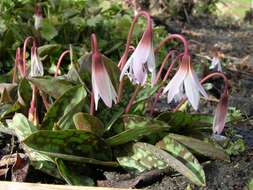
column 99, row 114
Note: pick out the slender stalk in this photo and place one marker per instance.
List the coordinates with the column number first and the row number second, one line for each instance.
column 27, row 40
column 164, row 79
column 130, row 103
column 59, row 62
column 123, row 59
column 172, row 37
column 33, row 110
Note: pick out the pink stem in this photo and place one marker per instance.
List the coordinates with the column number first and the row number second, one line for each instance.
column 94, row 43
column 163, row 64
column 171, row 37
column 127, row 49
column 27, row 40
column 130, row 103
column 164, row 79
column 59, row 62
column 130, row 33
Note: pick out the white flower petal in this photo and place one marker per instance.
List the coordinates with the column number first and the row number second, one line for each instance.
column 191, row 91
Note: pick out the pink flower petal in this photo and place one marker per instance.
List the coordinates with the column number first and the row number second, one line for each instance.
column 102, row 83
column 220, row 115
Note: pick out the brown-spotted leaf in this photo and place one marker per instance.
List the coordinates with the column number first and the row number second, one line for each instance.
column 202, row 147
column 69, row 142
column 87, row 122
column 61, row 111
column 183, row 160
column 50, row 85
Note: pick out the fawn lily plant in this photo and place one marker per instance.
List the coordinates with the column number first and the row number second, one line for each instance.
column 142, row 59
column 185, row 80
column 222, row 107
column 102, row 86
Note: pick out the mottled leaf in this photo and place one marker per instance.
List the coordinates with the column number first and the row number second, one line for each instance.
column 74, row 174
column 183, row 160
column 87, row 122
column 138, row 158
column 69, row 142
column 202, row 147
column 24, row 92
column 182, row 120
column 52, row 86
column 63, row 106
column 21, row 126
column 136, row 129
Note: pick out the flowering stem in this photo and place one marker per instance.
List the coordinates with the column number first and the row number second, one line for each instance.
column 130, row 103
column 33, row 110
column 129, row 36
column 27, row 40
column 94, row 43
column 215, row 74
column 165, row 60
column 123, row 59
column 164, row 79
column 59, row 62
column 172, row 37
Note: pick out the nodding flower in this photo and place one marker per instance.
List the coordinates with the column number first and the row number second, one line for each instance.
column 220, row 114
column 37, row 17
column 142, row 59
column 36, row 64
column 102, row 86
column 222, row 107
column 185, row 80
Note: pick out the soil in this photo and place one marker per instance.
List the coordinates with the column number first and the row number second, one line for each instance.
column 235, row 43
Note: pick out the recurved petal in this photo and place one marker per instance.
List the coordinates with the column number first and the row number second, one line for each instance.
column 178, row 79
column 127, row 66
column 220, row 115
column 191, row 91
column 197, row 83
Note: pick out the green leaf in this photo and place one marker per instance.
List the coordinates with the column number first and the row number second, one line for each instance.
column 58, row 112
column 7, row 109
column 24, row 92
column 182, row 120
column 21, row 126
column 47, row 167
column 69, row 142
column 47, row 49
column 52, row 86
column 73, row 174
column 135, row 129
column 183, row 160
column 48, row 30
column 205, row 148
column 87, row 122
column 138, row 158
